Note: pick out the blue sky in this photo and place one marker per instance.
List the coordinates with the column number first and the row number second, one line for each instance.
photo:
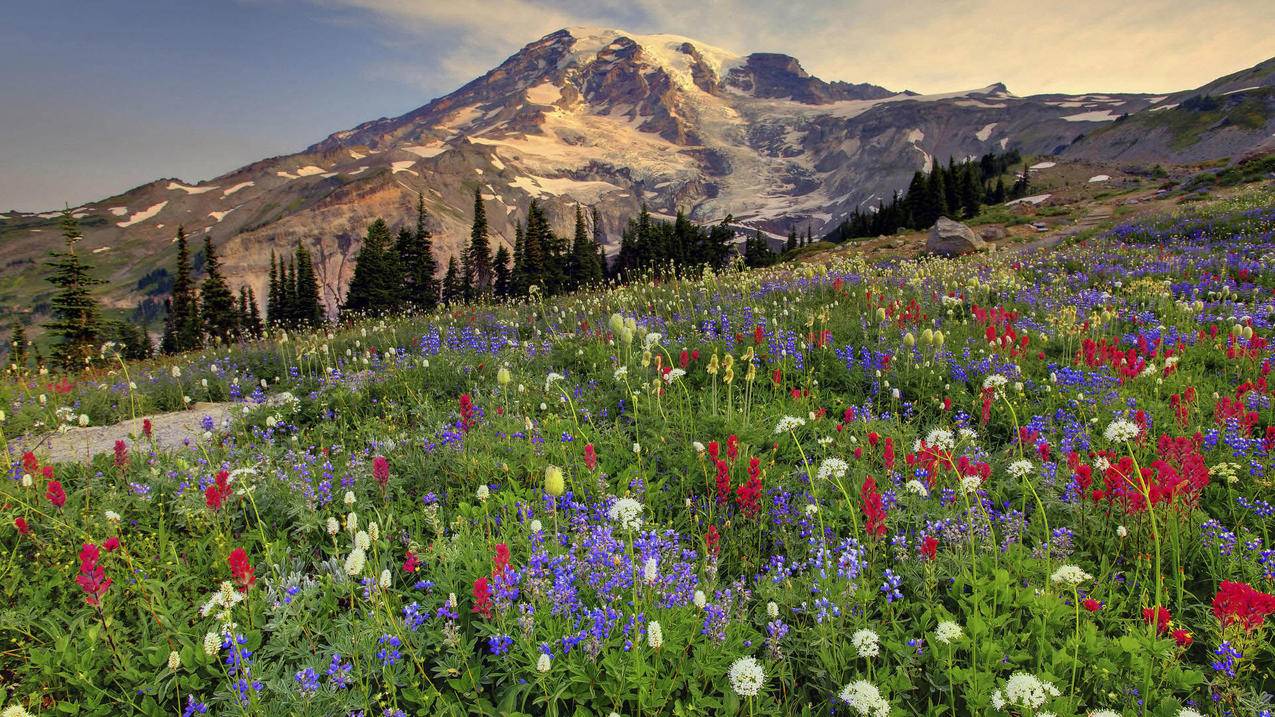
column 98, row 97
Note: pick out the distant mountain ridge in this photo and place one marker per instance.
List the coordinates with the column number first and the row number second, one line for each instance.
column 614, row 119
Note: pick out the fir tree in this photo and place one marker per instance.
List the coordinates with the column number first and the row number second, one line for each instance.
column 585, row 269
column 501, row 272
column 480, row 249
column 969, row 192
column 376, row 286
column 416, row 255
column 76, row 323
column 253, row 317
column 518, row 273
column 273, row 316
column 791, row 245
column 220, row 317
column 309, row 307
column 453, row 292
column 183, row 329
column 18, row 344
column 287, row 294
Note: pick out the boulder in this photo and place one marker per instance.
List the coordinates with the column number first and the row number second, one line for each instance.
column 992, row 232
column 949, row 238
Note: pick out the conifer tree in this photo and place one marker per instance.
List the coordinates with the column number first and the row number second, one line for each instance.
column 220, row 316
column 18, row 344
column 969, row 192
column 287, row 292
column 792, row 240
column 501, row 272
column 273, row 316
column 76, row 323
column 183, row 329
column 309, row 307
column 480, row 249
column 249, row 317
column 375, row 287
column 585, row 269
column 519, row 271
column 453, row 292
column 936, row 196
column 416, row 255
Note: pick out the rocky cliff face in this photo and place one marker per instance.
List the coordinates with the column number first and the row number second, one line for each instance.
column 603, row 118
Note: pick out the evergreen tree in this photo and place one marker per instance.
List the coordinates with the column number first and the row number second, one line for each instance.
column 453, row 291
column 998, row 194
column 792, row 240
column 18, row 344
column 536, row 240
column 309, row 307
column 76, row 323
column 936, row 196
column 970, row 200
column 480, row 249
column 376, row 286
column 183, row 330
column 249, row 317
column 952, row 188
column 585, row 269
column 518, row 275
column 416, row 255
column 287, row 294
column 501, row 272
column 131, row 340
column 220, row 317
column 273, row 314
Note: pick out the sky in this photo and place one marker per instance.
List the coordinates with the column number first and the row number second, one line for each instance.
column 99, row 97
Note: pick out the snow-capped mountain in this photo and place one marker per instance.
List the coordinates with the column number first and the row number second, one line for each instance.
column 604, row 118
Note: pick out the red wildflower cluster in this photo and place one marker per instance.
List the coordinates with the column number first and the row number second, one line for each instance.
column 410, row 562
column 1175, row 477
column 748, row 495
column 1158, row 616
column 121, row 454
column 92, row 579
column 1241, row 604
column 147, row 428
column 21, row 524
column 590, row 457
column 873, row 508
column 55, row 494
column 218, row 491
column 712, row 541
column 30, row 463
column 1239, row 348
column 381, row 472
column 467, row 417
column 1228, row 409
column 501, row 559
column 1181, row 403
column 723, row 482
column 1125, row 363
column 929, row 547
column 482, row 598
column 241, row 569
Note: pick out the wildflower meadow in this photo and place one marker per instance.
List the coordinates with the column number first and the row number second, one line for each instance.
column 1028, row 484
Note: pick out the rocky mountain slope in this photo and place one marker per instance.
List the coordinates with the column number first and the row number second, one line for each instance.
column 614, row 119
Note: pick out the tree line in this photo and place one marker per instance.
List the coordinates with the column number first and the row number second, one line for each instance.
column 957, row 191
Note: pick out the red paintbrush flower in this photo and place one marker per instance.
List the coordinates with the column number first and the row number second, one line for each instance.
column 1241, row 604
column 723, row 482
column 873, row 508
column 21, row 524
column 748, row 495
column 482, row 598
column 712, row 540
column 501, row 559
column 55, row 494
column 1183, row 637
column 241, row 569
column 1091, row 605
column 930, row 547
column 381, row 471
column 92, row 578
column 121, row 454
column 30, row 463
column 218, row 491
column 147, row 427
column 590, row 457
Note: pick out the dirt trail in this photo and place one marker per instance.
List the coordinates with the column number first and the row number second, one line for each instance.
column 1095, row 217
column 168, row 431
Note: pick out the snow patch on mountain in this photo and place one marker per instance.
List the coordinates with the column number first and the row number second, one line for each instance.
column 190, row 190
column 142, row 215
column 237, row 187
column 1095, row 116
column 986, row 133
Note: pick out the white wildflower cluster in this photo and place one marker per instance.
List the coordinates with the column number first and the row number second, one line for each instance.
column 832, row 468
column 916, row 487
column 865, row 699
column 1104, row 713
column 866, row 643
column 995, row 382
column 543, row 664
column 789, row 423
column 626, row 513
column 948, row 632
column 654, row 635
column 941, row 438
column 747, row 677
column 551, row 379
column 970, row 484
column 1121, row 430
column 1024, row 690
column 1021, row 469
column 673, row 375
column 1070, row 576
column 700, row 599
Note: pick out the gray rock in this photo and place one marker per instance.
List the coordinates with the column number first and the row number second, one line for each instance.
column 949, row 238
column 992, row 232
